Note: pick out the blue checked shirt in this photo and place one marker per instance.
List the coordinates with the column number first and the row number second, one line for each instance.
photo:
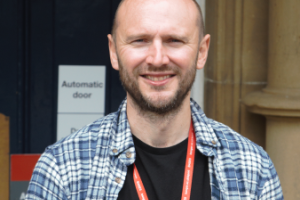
column 92, row 164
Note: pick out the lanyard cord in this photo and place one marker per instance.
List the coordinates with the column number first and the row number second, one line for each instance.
column 188, row 171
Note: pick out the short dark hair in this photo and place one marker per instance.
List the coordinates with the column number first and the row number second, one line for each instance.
column 200, row 20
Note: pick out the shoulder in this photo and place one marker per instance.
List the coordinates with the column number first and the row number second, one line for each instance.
column 87, row 137
column 249, row 163
column 235, row 142
column 65, row 165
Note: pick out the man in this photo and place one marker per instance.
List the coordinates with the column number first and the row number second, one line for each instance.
column 159, row 144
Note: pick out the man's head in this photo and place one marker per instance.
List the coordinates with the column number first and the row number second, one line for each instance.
column 157, row 46
column 200, row 21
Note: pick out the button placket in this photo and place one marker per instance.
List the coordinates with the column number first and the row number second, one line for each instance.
column 128, row 154
column 115, row 150
column 118, row 180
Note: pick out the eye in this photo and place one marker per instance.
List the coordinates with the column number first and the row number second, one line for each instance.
column 173, row 40
column 139, row 40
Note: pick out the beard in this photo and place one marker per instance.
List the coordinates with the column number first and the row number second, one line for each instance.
column 161, row 105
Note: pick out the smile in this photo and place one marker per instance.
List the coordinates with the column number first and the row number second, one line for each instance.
column 157, row 78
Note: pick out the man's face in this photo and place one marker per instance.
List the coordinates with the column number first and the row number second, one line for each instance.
column 156, row 48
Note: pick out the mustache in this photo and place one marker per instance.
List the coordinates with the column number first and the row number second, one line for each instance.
column 150, row 68
column 147, row 69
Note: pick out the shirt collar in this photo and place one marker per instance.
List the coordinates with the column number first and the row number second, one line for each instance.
column 122, row 140
column 205, row 136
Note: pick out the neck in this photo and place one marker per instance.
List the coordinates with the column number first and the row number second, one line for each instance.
column 160, row 130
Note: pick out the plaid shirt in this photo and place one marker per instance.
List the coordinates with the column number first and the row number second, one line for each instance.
column 92, row 164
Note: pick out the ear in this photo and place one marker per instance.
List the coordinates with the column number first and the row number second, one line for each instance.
column 203, row 51
column 113, row 52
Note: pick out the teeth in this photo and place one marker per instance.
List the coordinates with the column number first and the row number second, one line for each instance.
column 159, row 78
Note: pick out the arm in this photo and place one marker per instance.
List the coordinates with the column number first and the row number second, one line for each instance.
column 272, row 188
column 46, row 182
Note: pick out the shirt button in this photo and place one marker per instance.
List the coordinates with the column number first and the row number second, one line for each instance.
column 115, row 150
column 118, row 180
column 213, row 142
column 128, row 154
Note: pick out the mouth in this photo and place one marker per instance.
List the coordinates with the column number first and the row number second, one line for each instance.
column 157, row 77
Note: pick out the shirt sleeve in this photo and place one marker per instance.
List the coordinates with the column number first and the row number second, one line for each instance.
column 46, row 182
column 272, row 188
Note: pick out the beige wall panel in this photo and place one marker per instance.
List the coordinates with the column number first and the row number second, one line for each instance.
column 284, row 44
column 253, row 126
column 4, row 157
column 255, row 42
column 222, row 75
column 254, row 65
column 283, row 147
column 237, row 63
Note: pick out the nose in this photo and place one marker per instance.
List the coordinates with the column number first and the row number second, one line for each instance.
column 157, row 54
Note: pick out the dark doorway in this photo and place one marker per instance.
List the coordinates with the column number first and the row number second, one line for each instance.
column 35, row 38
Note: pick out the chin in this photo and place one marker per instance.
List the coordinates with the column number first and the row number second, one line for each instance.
column 159, row 100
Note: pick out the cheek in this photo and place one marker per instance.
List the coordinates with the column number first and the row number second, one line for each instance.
column 184, row 58
column 132, row 58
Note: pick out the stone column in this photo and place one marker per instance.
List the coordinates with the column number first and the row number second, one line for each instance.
column 280, row 100
column 237, row 63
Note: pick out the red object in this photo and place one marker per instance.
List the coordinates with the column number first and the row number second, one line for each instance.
column 139, row 184
column 22, row 165
column 188, row 171
column 189, row 165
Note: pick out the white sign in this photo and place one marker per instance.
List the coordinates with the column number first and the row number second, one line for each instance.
column 81, row 97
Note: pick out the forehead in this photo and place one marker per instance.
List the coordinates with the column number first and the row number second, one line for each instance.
column 147, row 15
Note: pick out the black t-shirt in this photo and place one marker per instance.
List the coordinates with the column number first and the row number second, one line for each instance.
column 162, row 173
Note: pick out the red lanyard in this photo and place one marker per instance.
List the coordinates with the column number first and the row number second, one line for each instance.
column 188, row 172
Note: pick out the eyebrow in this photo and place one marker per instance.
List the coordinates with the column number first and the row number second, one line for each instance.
column 177, row 36
column 133, row 37
column 174, row 36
